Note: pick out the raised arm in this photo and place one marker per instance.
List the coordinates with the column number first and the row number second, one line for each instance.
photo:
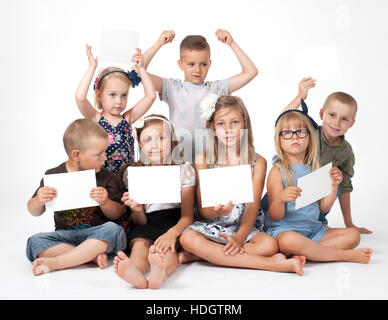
column 303, row 87
column 166, row 37
column 84, row 106
column 248, row 68
column 143, row 105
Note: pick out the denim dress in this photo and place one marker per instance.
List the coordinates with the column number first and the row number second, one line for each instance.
column 305, row 220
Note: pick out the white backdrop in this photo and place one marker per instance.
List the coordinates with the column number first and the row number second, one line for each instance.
column 42, row 60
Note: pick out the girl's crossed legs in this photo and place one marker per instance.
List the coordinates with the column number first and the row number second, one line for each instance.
column 337, row 244
column 260, row 252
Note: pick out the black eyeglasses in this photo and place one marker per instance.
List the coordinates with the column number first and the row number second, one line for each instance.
column 288, row 134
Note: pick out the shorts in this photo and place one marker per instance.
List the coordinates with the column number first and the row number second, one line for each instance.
column 158, row 223
column 315, row 235
column 109, row 231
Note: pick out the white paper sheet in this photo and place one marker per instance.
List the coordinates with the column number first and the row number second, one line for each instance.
column 220, row 185
column 154, row 184
column 118, row 46
column 321, row 63
column 315, row 186
column 73, row 189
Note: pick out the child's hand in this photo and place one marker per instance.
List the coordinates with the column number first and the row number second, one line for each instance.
column 135, row 207
column 361, row 230
column 138, row 58
column 46, row 194
column 166, row 37
column 304, row 86
column 233, row 246
column 290, row 193
column 224, row 36
column 166, row 242
column 336, row 176
column 92, row 61
column 224, row 210
column 100, row 195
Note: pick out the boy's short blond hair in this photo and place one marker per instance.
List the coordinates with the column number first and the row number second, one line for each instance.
column 77, row 135
column 343, row 98
column 194, row 42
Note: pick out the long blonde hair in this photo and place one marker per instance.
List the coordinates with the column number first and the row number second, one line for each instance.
column 247, row 149
column 311, row 156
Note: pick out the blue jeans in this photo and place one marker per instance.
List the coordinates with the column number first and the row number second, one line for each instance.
column 322, row 215
column 109, row 231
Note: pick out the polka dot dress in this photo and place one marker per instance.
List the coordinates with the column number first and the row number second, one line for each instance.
column 120, row 149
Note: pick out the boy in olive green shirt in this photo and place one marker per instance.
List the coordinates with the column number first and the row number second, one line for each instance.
column 338, row 116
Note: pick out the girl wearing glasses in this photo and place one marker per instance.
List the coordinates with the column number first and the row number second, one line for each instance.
column 299, row 232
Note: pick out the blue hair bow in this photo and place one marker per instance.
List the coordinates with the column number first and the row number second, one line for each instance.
column 304, row 111
column 135, row 79
column 132, row 75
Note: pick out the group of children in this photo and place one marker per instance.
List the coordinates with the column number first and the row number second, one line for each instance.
column 267, row 234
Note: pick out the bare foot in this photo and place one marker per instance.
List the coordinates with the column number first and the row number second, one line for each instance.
column 361, row 255
column 302, row 259
column 281, row 264
column 158, row 268
column 128, row 272
column 102, row 260
column 185, row 257
column 43, row 265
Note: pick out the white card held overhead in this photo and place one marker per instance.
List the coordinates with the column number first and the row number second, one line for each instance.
column 322, row 63
column 154, row 184
column 315, row 186
column 118, row 46
column 220, row 185
column 73, row 189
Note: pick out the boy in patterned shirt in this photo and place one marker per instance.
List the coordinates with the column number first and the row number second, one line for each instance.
column 84, row 234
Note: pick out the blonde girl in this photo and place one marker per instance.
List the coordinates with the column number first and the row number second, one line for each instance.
column 225, row 235
column 299, row 232
column 111, row 94
column 153, row 238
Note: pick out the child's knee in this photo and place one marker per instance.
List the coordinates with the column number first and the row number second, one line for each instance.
column 113, row 235
column 288, row 242
column 188, row 239
column 35, row 245
column 267, row 246
column 354, row 237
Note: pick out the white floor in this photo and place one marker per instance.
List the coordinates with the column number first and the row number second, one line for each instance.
column 198, row 280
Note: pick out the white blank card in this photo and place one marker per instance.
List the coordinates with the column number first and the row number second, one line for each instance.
column 315, row 186
column 73, row 189
column 220, row 185
column 154, row 184
column 118, row 46
column 321, row 62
